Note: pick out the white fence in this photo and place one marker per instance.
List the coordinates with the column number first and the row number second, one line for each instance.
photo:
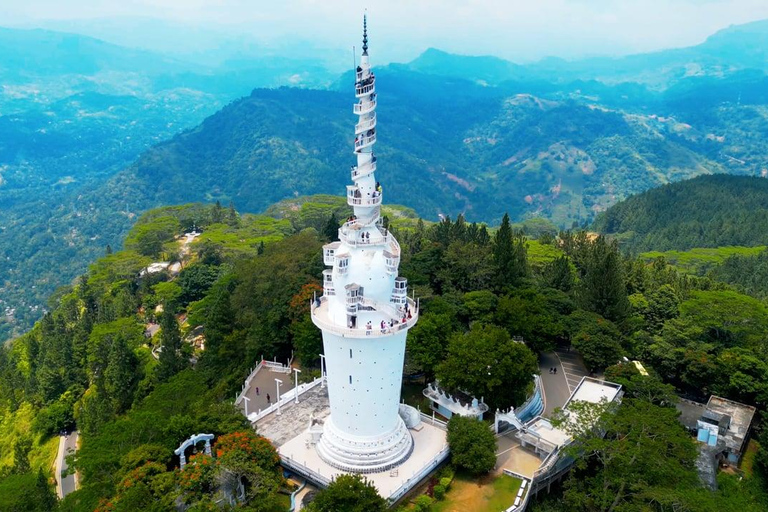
column 418, row 477
column 285, row 399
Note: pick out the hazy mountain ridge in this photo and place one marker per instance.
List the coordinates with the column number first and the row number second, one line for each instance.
column 727, row 51
column 559, row 149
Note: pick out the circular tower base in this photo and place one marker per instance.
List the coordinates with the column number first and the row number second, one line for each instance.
column 364, row 454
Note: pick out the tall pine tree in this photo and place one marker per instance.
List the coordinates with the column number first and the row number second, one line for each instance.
column 172, row 360
column 331, row 228
column 509, row 255
column 121, row 374
column 602, row 288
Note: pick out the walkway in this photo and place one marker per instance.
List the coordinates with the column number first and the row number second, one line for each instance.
column 573, row 368
column 264, row 382
column 555, row 386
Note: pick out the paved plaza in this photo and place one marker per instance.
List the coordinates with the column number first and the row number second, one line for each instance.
column 262, row 385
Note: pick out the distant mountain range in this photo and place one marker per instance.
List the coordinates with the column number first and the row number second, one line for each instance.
column 724, row 53
column 473, row 135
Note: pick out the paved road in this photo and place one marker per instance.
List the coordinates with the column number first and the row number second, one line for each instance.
column 573, row 368
column 70, row 446
column 556, row 390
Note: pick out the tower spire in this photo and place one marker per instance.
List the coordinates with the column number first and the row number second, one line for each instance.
column 365, row 34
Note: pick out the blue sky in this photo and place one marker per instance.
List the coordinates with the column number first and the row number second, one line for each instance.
column 514, row 29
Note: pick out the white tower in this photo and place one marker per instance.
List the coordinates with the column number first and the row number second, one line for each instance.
column 365, row 315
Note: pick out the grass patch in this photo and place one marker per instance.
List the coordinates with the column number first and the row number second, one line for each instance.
column 487, row 494
column 748, row 461
column 246, row 237
column 540, row 254
column 701, row 260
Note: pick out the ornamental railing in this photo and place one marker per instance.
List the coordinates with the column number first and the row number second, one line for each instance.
column 364, row 89
column 364, row 170
column 364, row 107
column 363, row 126
column 364, row 201
column 364, row 142
column 324, row 322
column 350, row 233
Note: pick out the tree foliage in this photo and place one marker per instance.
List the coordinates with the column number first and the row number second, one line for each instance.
column 352, row 493
column 472, row 444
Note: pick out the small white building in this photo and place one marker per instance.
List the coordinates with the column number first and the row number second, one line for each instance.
column 446, row 404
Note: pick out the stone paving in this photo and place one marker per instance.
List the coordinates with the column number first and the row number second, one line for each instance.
column 294, row 418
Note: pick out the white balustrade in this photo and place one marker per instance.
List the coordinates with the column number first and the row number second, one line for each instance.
column 364, row 107
column 366, row 124
column 364, row 89
column 364, row 142
column 364, row 170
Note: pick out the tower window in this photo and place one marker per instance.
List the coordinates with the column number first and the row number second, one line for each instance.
column 350, row 379
column 350, row 353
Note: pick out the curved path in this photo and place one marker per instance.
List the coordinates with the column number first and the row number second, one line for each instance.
column 555, row 386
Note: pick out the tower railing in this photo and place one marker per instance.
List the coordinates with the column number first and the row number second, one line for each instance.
column 350, row 233
column 359, row 171
column 352, row 200
column 364, row 107
column 400, row 319
column 362, row 90
column 366, row 124
column 363, row 142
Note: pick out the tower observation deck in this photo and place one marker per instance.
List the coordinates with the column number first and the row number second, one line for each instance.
column 365, row 314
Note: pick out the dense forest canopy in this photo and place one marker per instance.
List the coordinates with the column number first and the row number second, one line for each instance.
column 709, row 211
column 246, row 282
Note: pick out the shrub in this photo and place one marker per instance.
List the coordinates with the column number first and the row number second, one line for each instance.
column 423, row 503
column 439, row 492
column 445, row 482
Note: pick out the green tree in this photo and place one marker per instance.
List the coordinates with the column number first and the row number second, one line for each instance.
column 121, row 375
column 486, row 363
column 217, row 213
column 46, row 498
column 232, row 218
column 195, row 280
column 602, row 286
column 172, row 359
column 509, row 255
column 350, row 493
column 427, row 342
column 331, row 228
column 645, row 456
column 596, row 339
column 558, row 274
column 472, row 445
column 21, row 450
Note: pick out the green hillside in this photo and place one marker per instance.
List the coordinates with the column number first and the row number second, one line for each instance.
column 245, row 285
column 709, row 211
column 476, row 136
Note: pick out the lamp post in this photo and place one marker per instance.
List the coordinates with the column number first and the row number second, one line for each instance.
column 296, row 373
column 246, row 399
column 277, row 400
column 322, row 370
